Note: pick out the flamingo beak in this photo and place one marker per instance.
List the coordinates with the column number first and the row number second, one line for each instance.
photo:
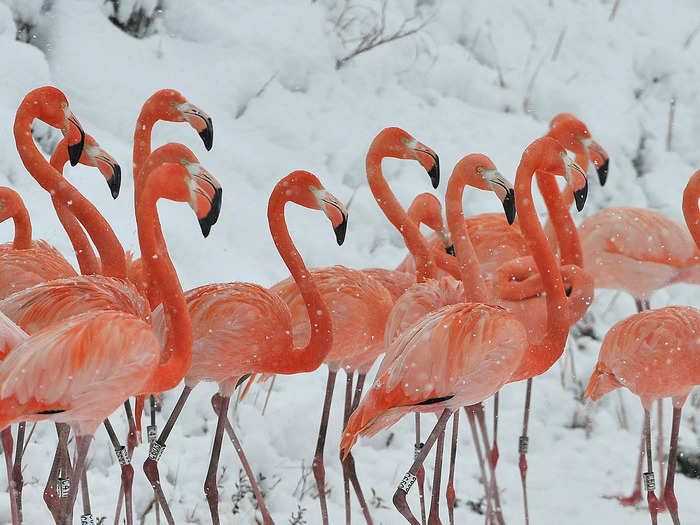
column 200, row 121
column 111, row 171
column 206, row 222
column 581, row 193
column 340, row 231
column 75, row 137
column 430, row 161
column 509, row 205
column 450, row 250
column 603, row 171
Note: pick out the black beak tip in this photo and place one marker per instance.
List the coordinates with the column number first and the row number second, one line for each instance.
column 207, row 135
column 509, row 206
column 74, row 152
column 206, row 222
column 434, row 174
column 603, row 172
column 340, row 231
column 580, row 197
column 115, row 181
column 568, row 291
column 450, row 250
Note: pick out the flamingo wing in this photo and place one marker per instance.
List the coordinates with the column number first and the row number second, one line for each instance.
column 55, row 301
column 11, row 335
column 80, row 370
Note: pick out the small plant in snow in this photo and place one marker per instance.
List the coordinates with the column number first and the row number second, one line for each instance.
column 135, row 17
column 297, row 517
column 377, row 501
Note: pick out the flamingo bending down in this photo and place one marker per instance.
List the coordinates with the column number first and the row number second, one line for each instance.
column 250, row 329
column 655, row 354
column 52, row 374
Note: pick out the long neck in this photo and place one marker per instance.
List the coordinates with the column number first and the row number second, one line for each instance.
column 537, row 243
column 52, row 181
column 321, row 341
column 142, row 140
column 473, row 281
column 415, row 242
column 690, row 207
column 23, row 227
column 87, row 260
column 558, row 209
column 161, row 273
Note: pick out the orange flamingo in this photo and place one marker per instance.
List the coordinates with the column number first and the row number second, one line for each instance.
column 52, row 373
column 260, row 339
column 59, row 300
column 669, row 348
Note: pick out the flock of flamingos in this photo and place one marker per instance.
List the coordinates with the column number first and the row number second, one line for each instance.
column 482, row 302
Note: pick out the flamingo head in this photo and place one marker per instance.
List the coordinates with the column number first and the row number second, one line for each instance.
column 554, row 160
column 55, row 111
column 93, row 155
column 602, row 381
column 426, row 209
column 205, row 195
column 395, row 142
column 600, row 160
column 10, row 203
column 170, row 105
column 479, row 171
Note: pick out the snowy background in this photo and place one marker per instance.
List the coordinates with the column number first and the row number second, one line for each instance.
column 479, row 76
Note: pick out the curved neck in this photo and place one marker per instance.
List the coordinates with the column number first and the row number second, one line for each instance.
column 313, row 354
column 23, row 226
column 52, row 181
column 142, row 140
column 415, row 242
column 161, row 273
column 537, row 243
column 690, row 206
column 558, row 209
column 473, row 281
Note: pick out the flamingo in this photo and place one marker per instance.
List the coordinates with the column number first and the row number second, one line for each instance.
column 655, row 354
column 259, row 339
column 52, row 373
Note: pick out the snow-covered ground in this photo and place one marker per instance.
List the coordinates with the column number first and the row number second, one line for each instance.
column 481, row 76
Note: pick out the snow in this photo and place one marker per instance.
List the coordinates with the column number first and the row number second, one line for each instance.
column 266, row 73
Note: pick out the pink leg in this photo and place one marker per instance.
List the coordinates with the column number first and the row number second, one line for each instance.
column 497, row 512
column 494, row 447
column 346, row 476
column 669, row 494
column 450, row 493
column 660, row 446
column 482, row 463
column 410, row 477
column 358, row 390
column 132, row 437
column 152, row 432
column 82, row 444
column 150, row 466
column 127, row 472
column 317, row 465
column 85, row 495
column 420, row 476
column 51, row 488
column 522, row 448
column 210, row 490
column 6, row 436
column 17, row 468
column 649, row 475
column 434, row 515
column 216, row 404
column 348, row 464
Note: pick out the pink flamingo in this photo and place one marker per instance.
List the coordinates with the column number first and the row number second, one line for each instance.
column 261, row 321
column 655, row 354
column 52, row 373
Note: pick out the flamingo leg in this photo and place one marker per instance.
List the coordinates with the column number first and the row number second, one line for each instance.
column 522, row 448
column 83, row 445
column 434, row 514
column 317, row 465
column 51, row 488
column 349, row 472
column 267, row 519
column 409, row 478
column 6, row 436
column 450, row 493
column 497, row 513
column 660, row 446
column 494, row 447
column 482, row 465
column 346, row 476
column 669, row 494
column 152, row 432
column 210, row 489
column 85, row 496
column 420, row 477
column 150, row 466
column 17, row 468
column 127, row 471
column 132, row 437
column 649, row 475
column 358, row 391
